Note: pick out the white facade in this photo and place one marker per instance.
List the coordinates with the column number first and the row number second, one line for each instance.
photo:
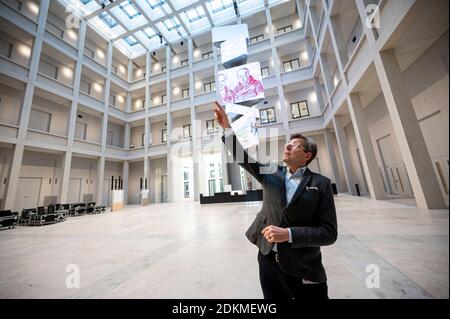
column 74, row 110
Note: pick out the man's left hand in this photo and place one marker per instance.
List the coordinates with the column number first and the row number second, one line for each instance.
column 274, row 234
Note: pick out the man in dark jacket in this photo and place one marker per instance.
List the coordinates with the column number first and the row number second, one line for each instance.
column 298, row 216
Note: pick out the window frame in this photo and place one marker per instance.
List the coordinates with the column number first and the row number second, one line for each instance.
column 268, row 121
column 297, row 104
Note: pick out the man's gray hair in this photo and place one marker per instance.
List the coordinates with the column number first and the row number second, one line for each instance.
column 309, row 146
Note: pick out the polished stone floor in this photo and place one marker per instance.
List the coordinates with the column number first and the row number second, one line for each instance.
column 186, row 250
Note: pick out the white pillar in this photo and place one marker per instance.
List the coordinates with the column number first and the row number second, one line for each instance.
column 318, row 89
column 366, row 151
column 169, row 123
column 13, row 180
column 195, row 149
column 408, row 133
column 345, row 154
column 100, row 179
column 277, row 68
column 66, row 165
column 326, row 74
column 76, row 85
column 125, row 176
column 14, row 175
column 333, row 159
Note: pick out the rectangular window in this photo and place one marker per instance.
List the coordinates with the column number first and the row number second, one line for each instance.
column 268, row 115
column 208, row 87
column 284, row 29
column 80, row 130
column 5, row 48
column 184, row 93
column 164, row 135
column 212, row 187
column 212, row 126
column 212, row 171
column 85, row 87
column 88, row 52
column 187, row 131
column 265, row 72
column 143, row 139
column 54, row 29
column 299, row 109
column 291, row 65
column 109, row 138
column 40, row 121
column 163, row 99
column 186, row 189
column 163, row 69
column 184, row 62
column 207, row 55
column 48, row 69
column 257, row 38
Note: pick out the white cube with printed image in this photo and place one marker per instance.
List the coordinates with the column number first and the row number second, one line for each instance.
column 240, row 85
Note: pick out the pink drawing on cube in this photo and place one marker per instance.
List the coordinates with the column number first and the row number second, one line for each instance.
column 240, row 84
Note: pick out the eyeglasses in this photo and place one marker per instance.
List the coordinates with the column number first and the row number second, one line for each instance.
column 290, row 146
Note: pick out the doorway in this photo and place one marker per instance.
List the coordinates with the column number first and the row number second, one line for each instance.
column 393, row 168
column 28, row 193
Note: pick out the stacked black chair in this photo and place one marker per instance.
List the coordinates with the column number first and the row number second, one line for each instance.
column 62, row 211
column 27, row 215
column 8, row 219
column 77, row 209
column 92, row 208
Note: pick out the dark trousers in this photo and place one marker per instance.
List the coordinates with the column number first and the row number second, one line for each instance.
column 278, row 285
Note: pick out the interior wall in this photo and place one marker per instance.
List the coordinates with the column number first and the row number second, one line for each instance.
column 10, row 104
column 44, row 166
column 135, row 173
column 86, row 170
column 59, row 114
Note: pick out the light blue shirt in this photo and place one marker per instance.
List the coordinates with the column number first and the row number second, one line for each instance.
column 291, row 181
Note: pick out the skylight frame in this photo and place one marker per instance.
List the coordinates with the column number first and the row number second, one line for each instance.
column 159, row 3
column 222, row 7
column 130, row 40
column 108, row 19
column 128, row 4
column 175, row 24
column 199, row 15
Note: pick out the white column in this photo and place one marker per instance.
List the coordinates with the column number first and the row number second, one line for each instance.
column 366, row 151
column 333, row 159
column 326, row 74
column 127, row 136
column 100, row 179
column 169, row 123
column 148, row 68
column 318, row 89
column 76, row 84
column 345, row 154
column 125, row 176
column 277, row 68
column 14, row 175
column 195, row 149
column 408, row 133
column 106, row 95
column 13, row 180
column 66, row 165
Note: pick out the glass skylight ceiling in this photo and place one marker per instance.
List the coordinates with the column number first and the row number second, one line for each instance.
column 136, row 26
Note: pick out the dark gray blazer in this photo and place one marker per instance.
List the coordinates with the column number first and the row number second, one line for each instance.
column 311, row 215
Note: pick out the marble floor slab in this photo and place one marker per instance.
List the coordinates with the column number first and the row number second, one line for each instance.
column 188, row 250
